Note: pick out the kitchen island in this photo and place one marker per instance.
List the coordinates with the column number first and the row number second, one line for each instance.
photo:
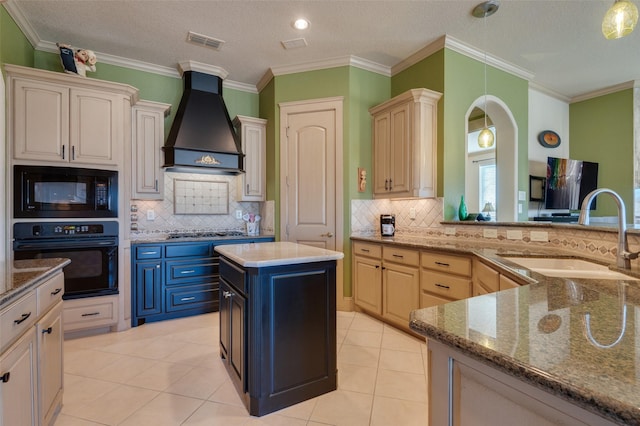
column 278, row 322
column 562, row 351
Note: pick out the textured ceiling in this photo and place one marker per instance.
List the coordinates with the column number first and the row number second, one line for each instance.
column 559, row 42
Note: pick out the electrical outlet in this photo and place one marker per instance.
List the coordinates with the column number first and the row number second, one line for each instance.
column 449, row 231
column 519, row 207
column 490, row 233
column 522, row 196
column 151, row 214
column 412, row 213
column 514, row 235
column 238, row 214
column 542, row 236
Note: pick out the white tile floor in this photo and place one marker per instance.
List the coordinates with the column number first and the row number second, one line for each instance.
column 170, row 373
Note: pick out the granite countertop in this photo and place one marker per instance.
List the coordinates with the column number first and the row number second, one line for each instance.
column 275, row 254
column 25, row 274
column 575, row 338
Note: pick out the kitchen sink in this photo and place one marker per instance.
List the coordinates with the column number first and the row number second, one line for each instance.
column 568, row 268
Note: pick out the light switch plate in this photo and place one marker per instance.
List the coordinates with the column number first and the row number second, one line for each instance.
column 449, row 231
column 490, row 233
column 151, row 214
column 238, row 214
column 412, row 213
column 522, row 196
column 514, row 235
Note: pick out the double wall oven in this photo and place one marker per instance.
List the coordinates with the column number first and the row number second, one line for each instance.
column 80, row 200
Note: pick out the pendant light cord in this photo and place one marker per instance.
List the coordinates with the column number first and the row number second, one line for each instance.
column 484, row 33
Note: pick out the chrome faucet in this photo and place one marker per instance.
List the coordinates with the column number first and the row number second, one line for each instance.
column 624, row 255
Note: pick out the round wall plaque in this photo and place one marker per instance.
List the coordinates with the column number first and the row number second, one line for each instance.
column 549, row 139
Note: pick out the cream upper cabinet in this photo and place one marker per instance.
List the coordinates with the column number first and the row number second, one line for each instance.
column 405, row 145
column 60, row 118
column 147, row 176
column 252, row 183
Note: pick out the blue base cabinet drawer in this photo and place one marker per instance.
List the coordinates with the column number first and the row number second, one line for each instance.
column 180, row 272
column 177, row 279
column 199, row 296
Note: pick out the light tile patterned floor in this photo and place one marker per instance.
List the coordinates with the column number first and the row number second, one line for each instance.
column 170, row 373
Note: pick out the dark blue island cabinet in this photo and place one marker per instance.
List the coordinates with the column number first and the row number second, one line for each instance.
column 176, row 279
column 278, row 323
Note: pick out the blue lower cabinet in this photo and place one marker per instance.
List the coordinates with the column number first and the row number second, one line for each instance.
column 278, row 332
column 176, row 279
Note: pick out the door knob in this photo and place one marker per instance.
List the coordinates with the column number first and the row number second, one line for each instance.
column 328, row 234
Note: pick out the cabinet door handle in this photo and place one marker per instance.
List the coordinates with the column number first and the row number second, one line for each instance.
column 190, row 271
column 398, row 256
column 73, row 152
column 377, row 266
column 92, row 314
column 390, row 184
column 47, row 330
column 442, row 286
column 444, row 265
column 58, row 290
column 186, row 299
column 5, row 377
column 22, row 319
column 63, row 151
column 147, row 253
column 157, row 266
column 227, row 294
column 386, row 184
column 247, row 189
column 156, row 185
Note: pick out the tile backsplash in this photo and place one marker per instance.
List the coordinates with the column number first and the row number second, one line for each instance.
column 574, row 240
column 200, row 196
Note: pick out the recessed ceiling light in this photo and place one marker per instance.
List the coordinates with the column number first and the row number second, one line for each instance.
column 301, row 24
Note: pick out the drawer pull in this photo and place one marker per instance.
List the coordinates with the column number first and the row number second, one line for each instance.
column 398, row 256
column 47, row 330
column 186, row 299
column 22, row 319
column 365, row 250
column 148, row 253
column 377, row 266
column 227, row 294
column 445, row 265
column 58, row 290
column 190, row 271
column 5, row 377
column 91, row 314
column 442, row 286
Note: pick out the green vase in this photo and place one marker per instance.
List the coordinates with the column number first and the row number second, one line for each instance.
column 462, row 210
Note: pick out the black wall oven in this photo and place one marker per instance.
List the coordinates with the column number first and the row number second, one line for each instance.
column 64, row 192
column 91, row 246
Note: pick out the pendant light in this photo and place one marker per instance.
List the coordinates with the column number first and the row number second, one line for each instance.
column 483, row 10
column 620, row 19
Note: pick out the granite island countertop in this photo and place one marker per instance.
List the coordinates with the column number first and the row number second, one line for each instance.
column 25, row 274
column 574, row 338
column 275, row 254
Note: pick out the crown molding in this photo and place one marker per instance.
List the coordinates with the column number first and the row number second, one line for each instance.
column 605, row 91
column 266, row 78
column 419, row 55
column 546, row 91
column 200, row 67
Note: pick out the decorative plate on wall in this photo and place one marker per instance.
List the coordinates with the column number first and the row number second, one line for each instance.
column 549, row 139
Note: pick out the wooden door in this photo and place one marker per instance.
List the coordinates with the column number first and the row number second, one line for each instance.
column 311, row 173
column 400, row 149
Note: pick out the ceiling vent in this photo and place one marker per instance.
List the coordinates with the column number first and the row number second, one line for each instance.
column 294, row 44
column 203, row 40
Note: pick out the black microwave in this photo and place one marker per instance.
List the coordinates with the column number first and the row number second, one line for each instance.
column 60, row 192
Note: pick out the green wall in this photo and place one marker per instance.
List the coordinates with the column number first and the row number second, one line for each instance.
column 360, row 90
column 461, row 80
column 14, row 46
column 601, row 128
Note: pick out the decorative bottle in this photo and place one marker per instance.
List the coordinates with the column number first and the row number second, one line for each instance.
column 462, row 210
